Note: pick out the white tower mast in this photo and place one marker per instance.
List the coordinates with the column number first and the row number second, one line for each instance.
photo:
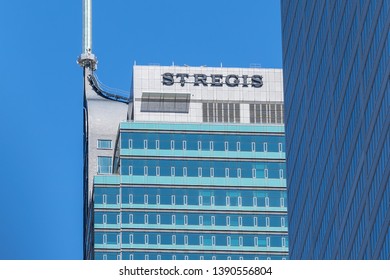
column 87, row 58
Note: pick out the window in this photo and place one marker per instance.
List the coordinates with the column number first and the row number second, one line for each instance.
column 185, row 199
column 185, row 239
column 253, row 147
column 118, row 219
column 212, row 200
column 239, row 201
column 146, row 239
column 145, row 144
column 255, row 221
column 173, row 239
column 172, row 144
column 212, row 172
column 184, row 145
column 158, row 241
column 253, row 173
column 281, row 173
column 201, row 220
column 226, row 146
column 240, row 221
column 158, row 257
column 130, row 143
column 157, row 170
column 240, row 241
column 239, row 172
column 228, row 220
column 228, row 201
column 104, row 144
column 184, row 171
column 145, row 171
column 213, row 240
column 267, row 201
column 130, row 199
column 130, row 170
column 265, row 173
column 145, row 199
column 211, row 146
column 158, row 199
column 104, row 199
column 131, row 238
column 256, row 241
column 158, row 219
column 201, row 240
column 283, row 242
column 227, row 172
column 185, row 219
column 146, row 256
column 255, row 201
column 199, row 145
column 200, row 200
column 280, row 147
column 267, row 221
column 104, row 218
column 146, row 219
column 268, row 241
column 173, row 199
column 199, row 171
column 282, row 222
column 104, row 238
column 265, row 146
column 173, row 219
column 213, row 220
column 228, row 241
column 281, row 202
column 157, row 144
column 130, row 218
column 104, row 165
column 172, row 171
column 238, row 146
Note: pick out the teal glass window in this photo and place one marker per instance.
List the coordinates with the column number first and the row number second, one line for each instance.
column 104, row 144
column 104, row 165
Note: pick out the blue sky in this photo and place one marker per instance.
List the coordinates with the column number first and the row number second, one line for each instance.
column 41, row 94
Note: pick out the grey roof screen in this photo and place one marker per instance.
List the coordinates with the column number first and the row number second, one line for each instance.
column 165, row 102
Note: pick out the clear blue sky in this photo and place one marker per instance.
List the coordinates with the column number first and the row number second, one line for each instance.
column 41, row 94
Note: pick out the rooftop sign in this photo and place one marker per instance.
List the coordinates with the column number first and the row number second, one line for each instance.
column 214, row 80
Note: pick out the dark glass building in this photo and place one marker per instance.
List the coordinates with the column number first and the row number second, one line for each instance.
column 337, row 108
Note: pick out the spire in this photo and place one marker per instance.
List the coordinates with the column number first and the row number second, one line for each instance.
column 87, row 58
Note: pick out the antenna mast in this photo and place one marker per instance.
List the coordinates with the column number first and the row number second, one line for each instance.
column 87, row 58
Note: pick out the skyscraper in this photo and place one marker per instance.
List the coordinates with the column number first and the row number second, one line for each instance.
column 337, row 97
column 192, row 168
column 191, row 165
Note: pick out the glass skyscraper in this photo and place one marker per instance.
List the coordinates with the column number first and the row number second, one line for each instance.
column 193, row 167
column 337, row 107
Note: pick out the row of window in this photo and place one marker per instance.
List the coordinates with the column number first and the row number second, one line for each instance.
column 178, row 256
column 131, row 196
column 190, row 239
column 204, row 146
column 199, row 141
column 195, row 219
column 201, row 168
column 226, row 172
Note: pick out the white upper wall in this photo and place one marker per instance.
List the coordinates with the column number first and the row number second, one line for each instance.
column 149, row 79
